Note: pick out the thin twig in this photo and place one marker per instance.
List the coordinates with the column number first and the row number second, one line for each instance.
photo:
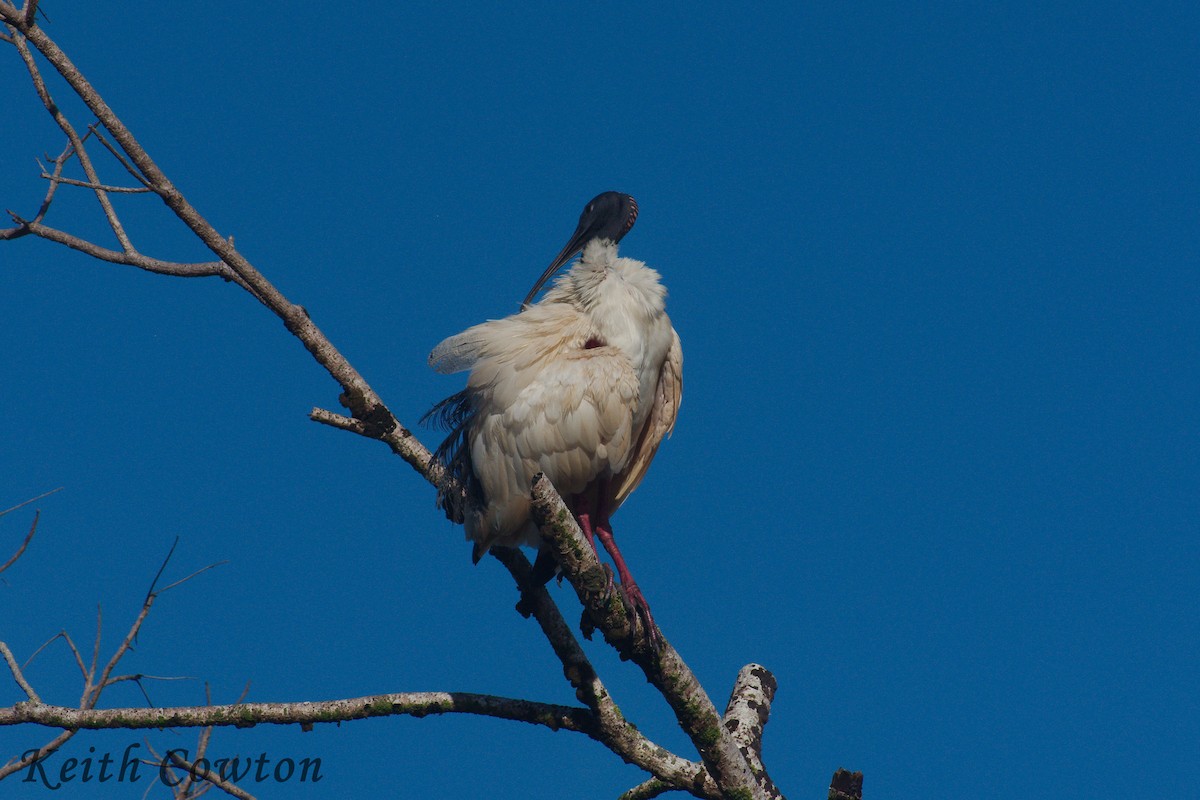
column 201, row 747
column 119, row 156
column 91, row 673
column 101, row 186
column 25, row 543
column 231, row 789
column 213, row 565
column 30, row 500
column 65, row 125
column 18, row 676
column 648, row 789
column 59, row 163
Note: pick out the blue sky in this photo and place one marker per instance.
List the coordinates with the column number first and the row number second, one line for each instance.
column 935, row 272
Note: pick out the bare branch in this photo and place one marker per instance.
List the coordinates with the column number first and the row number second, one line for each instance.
column 613, row 730
column 20, row 763
column 213, row 565
column 25, row 543
column 59, row 163
column 231, row 789
column 75, row 652
column 91, row 672
column 119, row 156
column 846, row 785
column 663, row 666
column 84, row 160
column 244, row 715
column 30, row 500
column 341, row 422
column 201, row 746
column 93, row 688
column 648, row 789
column 101, row 186
column 178, row 269
column 140, row 677
column 746, row 715
column 15, row 669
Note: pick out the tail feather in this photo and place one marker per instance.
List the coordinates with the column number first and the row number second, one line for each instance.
column 461, row 488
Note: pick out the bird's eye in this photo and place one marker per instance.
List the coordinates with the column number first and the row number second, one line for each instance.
column 591, row 207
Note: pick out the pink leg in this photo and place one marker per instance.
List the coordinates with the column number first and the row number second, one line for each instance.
column 585, row 525
column 633, row 595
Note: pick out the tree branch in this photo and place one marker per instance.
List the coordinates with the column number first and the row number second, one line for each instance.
column 24, row 544
column 245, row 715
column 613, row 730
column 27, row 24
column 746, row 715
column 132, row 259
column 18, row 676
column 846, row 785
column 231, row 789
column 648, row 789
column 662, row 665
column 101, row 186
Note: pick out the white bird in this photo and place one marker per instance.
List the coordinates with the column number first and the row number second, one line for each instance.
column 581, row 386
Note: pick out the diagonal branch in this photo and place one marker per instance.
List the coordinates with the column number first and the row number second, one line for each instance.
column 663, row 666
column 18, row 676
column 231, row 789
column 613, row 730
column 24, row 544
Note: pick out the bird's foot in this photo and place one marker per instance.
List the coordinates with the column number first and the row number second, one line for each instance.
column 610, row 586
column 636, row 603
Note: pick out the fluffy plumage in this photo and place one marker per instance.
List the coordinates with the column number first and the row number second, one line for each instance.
column 581, row 386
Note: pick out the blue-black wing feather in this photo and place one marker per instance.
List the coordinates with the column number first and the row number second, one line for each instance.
column 460, row 487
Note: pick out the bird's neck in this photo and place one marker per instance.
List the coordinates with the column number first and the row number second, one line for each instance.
column 606, row 286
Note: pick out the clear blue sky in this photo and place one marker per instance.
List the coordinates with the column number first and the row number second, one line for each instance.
column 935, row 269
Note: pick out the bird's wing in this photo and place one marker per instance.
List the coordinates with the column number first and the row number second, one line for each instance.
column 458, row 352
column 659, row 423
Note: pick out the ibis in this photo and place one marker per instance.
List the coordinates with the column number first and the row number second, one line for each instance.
column 581, row 386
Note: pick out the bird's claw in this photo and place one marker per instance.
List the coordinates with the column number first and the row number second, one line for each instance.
column 636, row 603
column 610, row 586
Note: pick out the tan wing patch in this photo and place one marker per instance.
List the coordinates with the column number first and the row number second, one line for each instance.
column 659, row 423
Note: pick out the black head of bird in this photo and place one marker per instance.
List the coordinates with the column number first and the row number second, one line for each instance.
column 609, row 215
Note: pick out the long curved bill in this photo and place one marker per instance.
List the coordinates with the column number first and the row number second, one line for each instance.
column 573, row 246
